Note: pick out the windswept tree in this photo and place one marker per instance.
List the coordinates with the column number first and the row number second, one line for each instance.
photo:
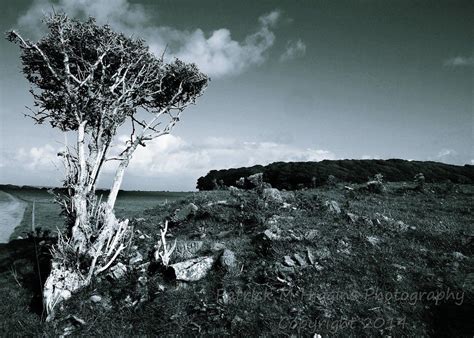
column 91, row 81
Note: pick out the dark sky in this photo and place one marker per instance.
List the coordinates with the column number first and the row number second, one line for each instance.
column 331, row 79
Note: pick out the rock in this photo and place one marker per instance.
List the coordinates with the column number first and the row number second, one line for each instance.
column 270, row 235
column 374, row 240
column 193, row 269
column 353, row 218
column 95, row 298
column 228, row 260
column 141, row 219
column 255, row 180
column 311, row 234
column 289, row 261
column 272, row 195
column 284, row 269
column 301, row 261
column 310, row 255
column 333, row 207
column 118, row 270
column 375, row 187
column 217, row 247
column 181, row 215
column 187, row 249
column 458, row 255
column 136, row 259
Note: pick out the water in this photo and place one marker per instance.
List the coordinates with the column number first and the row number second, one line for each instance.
column 11, row 214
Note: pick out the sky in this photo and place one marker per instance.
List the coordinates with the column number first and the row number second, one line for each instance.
column 291, row 81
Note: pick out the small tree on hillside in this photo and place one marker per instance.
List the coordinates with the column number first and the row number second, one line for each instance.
column 89, row 80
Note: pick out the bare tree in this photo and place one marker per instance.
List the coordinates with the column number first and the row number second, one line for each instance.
column 90, row 80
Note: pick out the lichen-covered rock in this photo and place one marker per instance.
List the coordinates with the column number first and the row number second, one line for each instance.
column 228, row 260
column 193, row 269
column 187, row 249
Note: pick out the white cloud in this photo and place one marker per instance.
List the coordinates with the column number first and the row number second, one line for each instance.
column 216, row 53
column 172, row 156
column 460, row 61
column 294, row 49
column 36, row 158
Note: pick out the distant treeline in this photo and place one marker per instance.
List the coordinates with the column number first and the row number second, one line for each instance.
column 297, row 175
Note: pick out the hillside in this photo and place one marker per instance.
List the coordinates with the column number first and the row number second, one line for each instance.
column 328, row 261
column 296, row 175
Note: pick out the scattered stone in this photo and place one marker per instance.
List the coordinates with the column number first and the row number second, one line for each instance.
column 284, row 269
column 271, row 235
column 301, row 261
column 289, row 261
column 118, row 270
column 374, row 240
column 210, row 204
column 459, row 255
column 272, row 195
column 228, row 260
column 310, row 255
column 353, row 218
column 187, row 249
column 95, row 298
column 75, row 320
column 333, row 207
column 181, row 215
column 311, row 234
column 193, row 269
column 136, row 259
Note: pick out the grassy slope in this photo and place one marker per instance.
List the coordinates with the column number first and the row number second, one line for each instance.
column 264, row 298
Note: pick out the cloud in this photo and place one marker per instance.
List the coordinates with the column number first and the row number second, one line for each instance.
column 36, row 158
column 294, row 49
column 172, row 155
column 460, row 61
column 216, row 53
column 175, row 160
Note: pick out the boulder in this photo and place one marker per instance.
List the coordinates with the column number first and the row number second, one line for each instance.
column 272, row 195
column 193, row 269
column 187, row 249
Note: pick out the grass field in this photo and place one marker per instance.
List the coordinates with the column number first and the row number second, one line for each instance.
column 397, row 263
column 47, row 212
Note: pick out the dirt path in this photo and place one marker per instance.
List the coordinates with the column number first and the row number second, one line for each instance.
column 11, row 214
